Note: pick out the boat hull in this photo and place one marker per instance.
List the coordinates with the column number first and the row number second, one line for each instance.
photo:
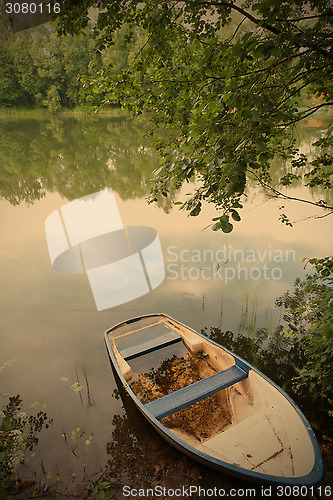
column 202, row 453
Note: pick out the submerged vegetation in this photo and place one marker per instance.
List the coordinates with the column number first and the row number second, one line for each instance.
column 19, row 438
column 18, row 433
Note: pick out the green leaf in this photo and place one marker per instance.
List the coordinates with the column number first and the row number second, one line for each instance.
column 8, row 362
column 235, row 215
column 224, row 224
column 76, row 387
column 196, row 210
column 227, row 227
column 328, row 331
column 35, row 404
column 261, row 144
column 258, row 52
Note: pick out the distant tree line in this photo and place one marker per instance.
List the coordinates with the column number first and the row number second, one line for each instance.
column 39, row 69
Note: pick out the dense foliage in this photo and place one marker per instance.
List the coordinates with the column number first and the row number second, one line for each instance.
column 309, row 316
column 39, row 69
column 229, row 81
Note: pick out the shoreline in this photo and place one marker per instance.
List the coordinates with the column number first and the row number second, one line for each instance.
column 44, row 113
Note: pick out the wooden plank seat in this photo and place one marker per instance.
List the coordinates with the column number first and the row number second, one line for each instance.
column 197, row 391
column 167, row 339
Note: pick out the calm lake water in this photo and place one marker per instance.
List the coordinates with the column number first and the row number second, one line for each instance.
column 48, row 320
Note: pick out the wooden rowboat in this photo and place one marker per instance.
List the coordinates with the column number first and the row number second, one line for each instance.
column 211, row 404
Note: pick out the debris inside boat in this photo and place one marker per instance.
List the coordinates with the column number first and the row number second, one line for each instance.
column 204, row 418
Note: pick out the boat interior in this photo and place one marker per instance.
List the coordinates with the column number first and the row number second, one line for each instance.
column 229, row 411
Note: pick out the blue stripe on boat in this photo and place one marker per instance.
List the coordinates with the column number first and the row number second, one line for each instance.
column 133, row 320
column 193, row 393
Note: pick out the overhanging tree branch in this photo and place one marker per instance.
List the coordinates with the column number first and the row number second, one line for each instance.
column 312, row 110
column 264, row 24
column 227, row 93
column 278, row 194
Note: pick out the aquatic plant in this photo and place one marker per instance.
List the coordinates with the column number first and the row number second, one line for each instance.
column 18, row 433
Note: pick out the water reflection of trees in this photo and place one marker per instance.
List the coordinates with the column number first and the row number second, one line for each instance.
column 276, row 355
column 305, row 136
column 74, row 156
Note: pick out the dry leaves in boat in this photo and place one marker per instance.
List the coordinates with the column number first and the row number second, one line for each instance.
column 202, row 419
